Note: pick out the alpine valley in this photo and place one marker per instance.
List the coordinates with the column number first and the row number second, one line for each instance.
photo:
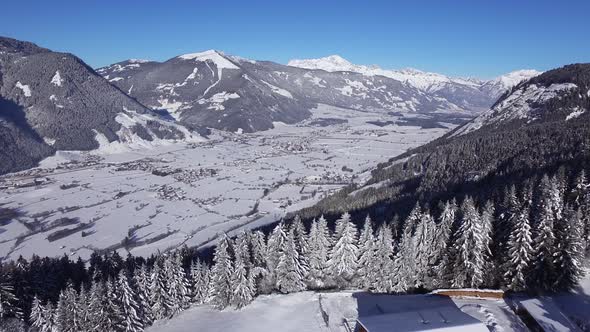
column 221, row 178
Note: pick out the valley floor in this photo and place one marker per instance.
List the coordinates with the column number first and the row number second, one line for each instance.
column 152, row 199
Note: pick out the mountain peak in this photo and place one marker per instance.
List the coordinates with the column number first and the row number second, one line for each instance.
column 329, row 63
column 217, row 57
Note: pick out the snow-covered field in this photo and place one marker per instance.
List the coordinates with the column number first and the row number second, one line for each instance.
column 151, row 199
column 303, row 312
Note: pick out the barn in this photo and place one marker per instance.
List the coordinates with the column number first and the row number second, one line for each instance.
column 445, row 318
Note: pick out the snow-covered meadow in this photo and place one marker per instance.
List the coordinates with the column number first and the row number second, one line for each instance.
column 145, row 200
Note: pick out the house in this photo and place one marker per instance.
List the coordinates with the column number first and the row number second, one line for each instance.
column 444, row 318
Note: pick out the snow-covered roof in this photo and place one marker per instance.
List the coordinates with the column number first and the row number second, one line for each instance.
column 434, row 319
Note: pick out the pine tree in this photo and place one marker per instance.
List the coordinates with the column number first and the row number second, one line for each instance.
column 382, row 265
column 319, row 248
column 367, row 274
column 96, row 318
column 569, row 254
column 112, row 307
column 443, row 244
column 200, row 280
column 130, row 308
column 50, row 318
column 8, row 300
column 487, row 224
column 37, row 317
column 142, row 281
column 543, row 272
column 160, row 303
column 289, row 270
column 178, row 284
column 221, row 275
column 68, row 313
column 422, row 243
column 242, row 280
column 343, row 256
column 469, row 262
column 519, row 252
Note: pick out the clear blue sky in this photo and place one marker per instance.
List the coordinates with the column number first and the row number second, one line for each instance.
column 461, row 37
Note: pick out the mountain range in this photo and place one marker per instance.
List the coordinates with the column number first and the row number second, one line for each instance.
column 54, row 101
column 216, row 90
column 537, row 127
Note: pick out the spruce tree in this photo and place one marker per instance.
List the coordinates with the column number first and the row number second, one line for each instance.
column 319, row 248
column 519, row 252
column 130, row 307
column 367, row 274
column 469, row 260
column 289, row 271
column 343, row 256
column 382, row 265
column 221, row 275
column 569, row 255
column 543, row 273
column 37, row 317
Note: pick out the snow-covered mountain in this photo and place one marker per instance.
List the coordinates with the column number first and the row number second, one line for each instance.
column 559, row 94
column 232, row 93
column 461, row 91
column 53, row 101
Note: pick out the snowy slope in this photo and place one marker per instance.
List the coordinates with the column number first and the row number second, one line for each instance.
column 301, row 312
column 557, row 95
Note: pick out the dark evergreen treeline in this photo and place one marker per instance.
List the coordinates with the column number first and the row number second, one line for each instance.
column 533, row 238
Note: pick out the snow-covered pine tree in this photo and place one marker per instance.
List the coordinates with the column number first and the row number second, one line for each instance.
column 543, row 272
column 68, row 313
column 221, row 288
column 508, row 210
column 442, row 252
column 130, row 307
column 275, row 244
column 422, row 243
column 382, row 265
column 569, row 256
column 37, row 317
column 469, row 261
column 112, row 307
column 519, row 252
column 403, row 263
column 200, row 282
column 160, row 303
column 367, row 273
column 289, row 271
column 258, row 250
column 50, row 318
column 319, row 248
column 8, row 300
column 487, row 230
column 581, row 192
column 178, row 284
column 343, row 256
column 301, row 242
column 96, row 318
column 242, row 282
column 142, row 281
column 83, row 308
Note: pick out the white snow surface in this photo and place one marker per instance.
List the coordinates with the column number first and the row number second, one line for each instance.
column 214, row 56
column 216, row 101
column 575, row 113
column 56, row 79
column 301, row 312
column 24, row 88
column 249, row 170
column 278, row 90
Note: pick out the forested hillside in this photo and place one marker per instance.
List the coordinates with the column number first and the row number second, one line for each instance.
column 514, row 142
